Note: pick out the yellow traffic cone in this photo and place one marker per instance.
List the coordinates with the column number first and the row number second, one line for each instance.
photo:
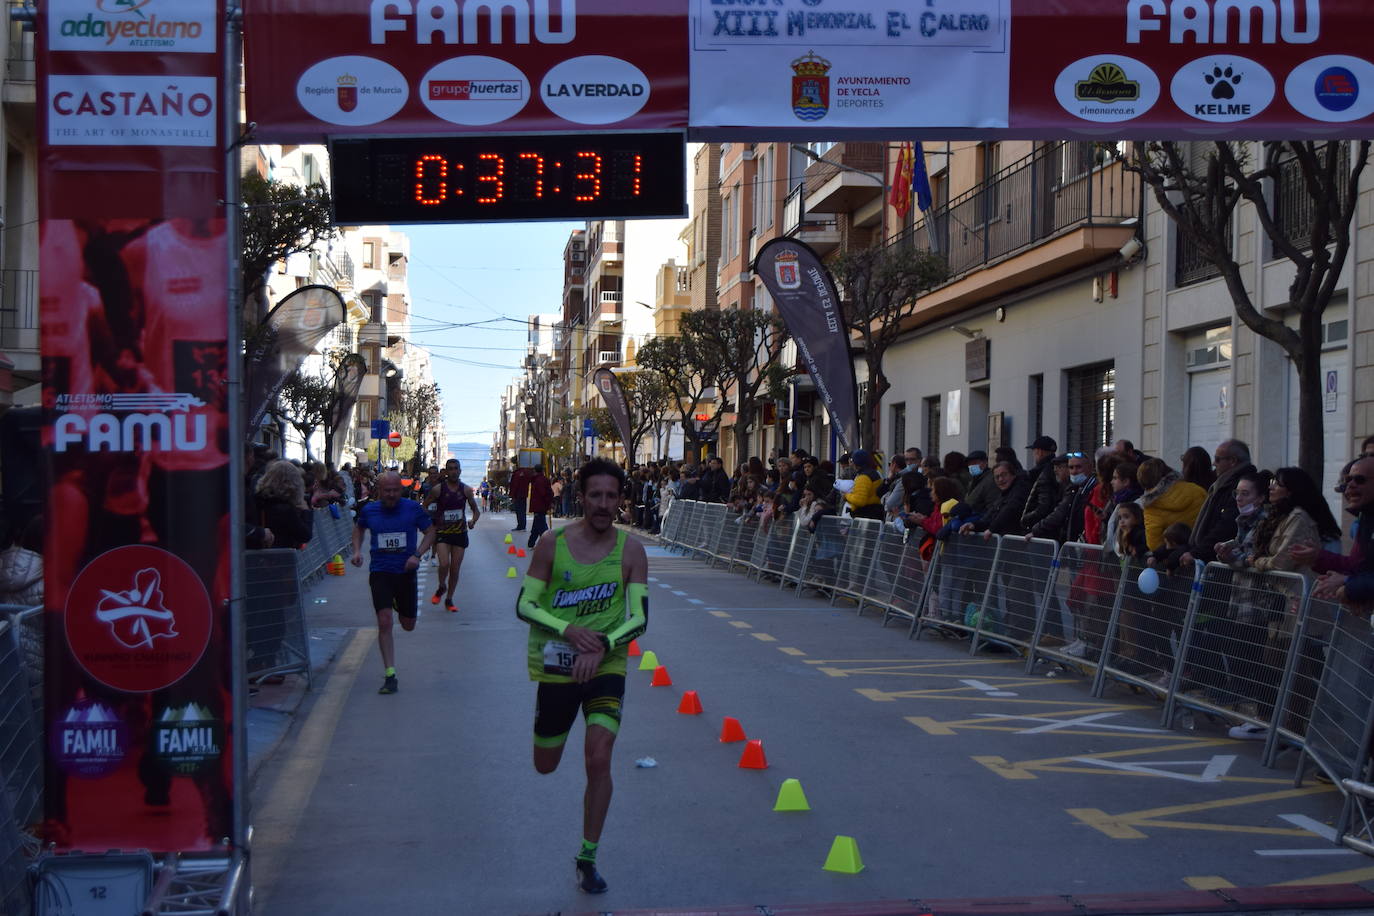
column 791, row 797
column 844, row 857
column 648, row 661
column 510, row 572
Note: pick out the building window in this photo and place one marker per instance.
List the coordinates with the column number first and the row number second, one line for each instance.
column 1092, row 406
column 898, row 428
column 373, row 302
column 1036, row 388
column 763, row 189
column 370, row 254
column 363, row 412
column 932, row 444
column 1293, row 208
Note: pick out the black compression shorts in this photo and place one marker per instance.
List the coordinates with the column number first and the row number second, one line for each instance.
column 395, row 590
column 556, row 706
column 455, row 539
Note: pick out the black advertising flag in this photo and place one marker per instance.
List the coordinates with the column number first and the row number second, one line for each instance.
column 348, row 381
column 809, row 305
column 286, row 337
column 614, row 396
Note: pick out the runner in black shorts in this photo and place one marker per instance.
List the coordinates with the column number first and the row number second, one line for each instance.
column 395, row 556
column 448, row 503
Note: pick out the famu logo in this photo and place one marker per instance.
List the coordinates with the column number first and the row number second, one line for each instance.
column 187, row 738
column 590, row 600
column 1107, row 83
column 132, row 25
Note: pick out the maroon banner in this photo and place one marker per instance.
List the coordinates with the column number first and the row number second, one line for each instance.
column 1150, row 69
column 133, row 281
column 472, row 67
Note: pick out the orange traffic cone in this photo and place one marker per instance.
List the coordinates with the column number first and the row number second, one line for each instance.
column 731, row 731
column 690, row 705
column 520, row 552
column 661, row 678
column 752, row 758
column 510, row 549
column 634, row 647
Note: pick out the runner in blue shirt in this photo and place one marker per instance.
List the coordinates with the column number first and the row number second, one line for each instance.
column 395, row 552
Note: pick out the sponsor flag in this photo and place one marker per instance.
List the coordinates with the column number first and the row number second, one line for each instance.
column 614, row 396
column 806, row 299
column 348, row 381
column 288, row 334
column 900, row 195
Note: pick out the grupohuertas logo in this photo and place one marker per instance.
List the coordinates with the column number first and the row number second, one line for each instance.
column 187, row 738
column 132, row 25
column 130, row 422
column 89, row 739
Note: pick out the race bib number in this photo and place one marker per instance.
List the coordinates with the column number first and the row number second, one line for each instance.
column 453, row 515
column 558, row 657
column 391, row 540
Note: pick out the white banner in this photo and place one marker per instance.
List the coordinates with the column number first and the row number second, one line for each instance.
column 114, row 110
column 850, row 64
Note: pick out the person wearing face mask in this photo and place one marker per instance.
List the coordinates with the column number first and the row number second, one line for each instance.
column 1251, row 491
column 1065, row 521
column 982, row 492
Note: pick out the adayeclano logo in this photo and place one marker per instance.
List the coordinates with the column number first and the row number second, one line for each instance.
column 132, row 25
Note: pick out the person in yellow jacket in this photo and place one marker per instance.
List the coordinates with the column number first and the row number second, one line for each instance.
column 863, row 500
column 1168, row 498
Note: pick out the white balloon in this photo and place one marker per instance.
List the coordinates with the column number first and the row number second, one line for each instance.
column 1148, row 582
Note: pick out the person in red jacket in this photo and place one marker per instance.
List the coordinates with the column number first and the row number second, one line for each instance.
column 541, row 501
column 519, row 493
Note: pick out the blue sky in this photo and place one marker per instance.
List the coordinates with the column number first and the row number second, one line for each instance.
column 481, row 273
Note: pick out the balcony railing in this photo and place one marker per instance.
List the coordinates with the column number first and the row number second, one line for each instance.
column 19, row 64
column 344, row 264
column 612, row 297
column 18, row 308
column 1190, row 264
column 795, row 219
column 1293, row 209
column 1056, row 189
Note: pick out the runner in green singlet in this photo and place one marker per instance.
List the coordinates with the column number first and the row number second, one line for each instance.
column 586, row 595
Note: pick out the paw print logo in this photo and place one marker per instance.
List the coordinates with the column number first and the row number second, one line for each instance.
column 1223, row 82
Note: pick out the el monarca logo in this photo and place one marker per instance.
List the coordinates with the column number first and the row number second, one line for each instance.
column 1107, row 83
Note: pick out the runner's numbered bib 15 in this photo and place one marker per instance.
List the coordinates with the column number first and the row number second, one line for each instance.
column 558, row 657
column 391, row 540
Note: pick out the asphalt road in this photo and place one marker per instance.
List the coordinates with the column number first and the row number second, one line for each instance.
column 957, row 776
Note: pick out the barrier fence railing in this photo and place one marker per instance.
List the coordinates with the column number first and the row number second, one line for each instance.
column 1234, row 645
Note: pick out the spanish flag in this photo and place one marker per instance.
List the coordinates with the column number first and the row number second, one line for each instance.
column 902, row 174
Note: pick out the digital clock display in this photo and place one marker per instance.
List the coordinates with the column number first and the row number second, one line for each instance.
column 461, row 179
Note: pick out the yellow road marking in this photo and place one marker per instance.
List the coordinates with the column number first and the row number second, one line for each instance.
column 1123, row 826
column 1207, row 882
column 741, row 624
column 1114, row 827
column 921, row 663
column 764, row 637
column 279, row 815
column 1003, row 768
column 720, row 614
column 790, row 651
column 834, row 672
column 1354, row 876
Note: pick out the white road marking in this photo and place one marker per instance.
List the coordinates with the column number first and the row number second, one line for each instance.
column 696, row 601
column 1213, row 769
column 988, row 689
column 679, row 593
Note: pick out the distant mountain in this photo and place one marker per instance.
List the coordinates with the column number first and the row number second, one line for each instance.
column 469, row 447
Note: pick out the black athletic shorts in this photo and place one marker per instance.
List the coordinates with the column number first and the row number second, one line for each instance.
column 395, row 590
column 456, row 539
column 556, row 706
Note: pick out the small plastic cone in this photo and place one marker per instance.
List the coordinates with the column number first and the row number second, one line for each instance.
column 648, row 661
column 509, row 539
column 791, row 797
column 844, row 857
column 752, row 758
column 661, row 678
column 510, row 572
column 731, row 731
column 634, row 648
column 520, row 552
column 690, row 705
column 511, row 549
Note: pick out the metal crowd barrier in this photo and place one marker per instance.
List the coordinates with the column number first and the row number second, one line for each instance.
column 1235, row 645
column 274, row 614
column 21, row 758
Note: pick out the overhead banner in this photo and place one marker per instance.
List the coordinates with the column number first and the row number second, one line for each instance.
column 516, row 66
column 805, row 297
column 1147, row 69
column 614, row 396
column 849, row 64
column 134, row 318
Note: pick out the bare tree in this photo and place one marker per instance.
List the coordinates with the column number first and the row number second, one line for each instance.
column 1322, row 181
column 690, row 376
column 306, row 402
column 279, row 220
column 881, row 286
column 737, row 346
column 419, row 411
column 650, row 400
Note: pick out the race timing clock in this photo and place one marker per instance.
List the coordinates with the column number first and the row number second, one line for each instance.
column 463, row 179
